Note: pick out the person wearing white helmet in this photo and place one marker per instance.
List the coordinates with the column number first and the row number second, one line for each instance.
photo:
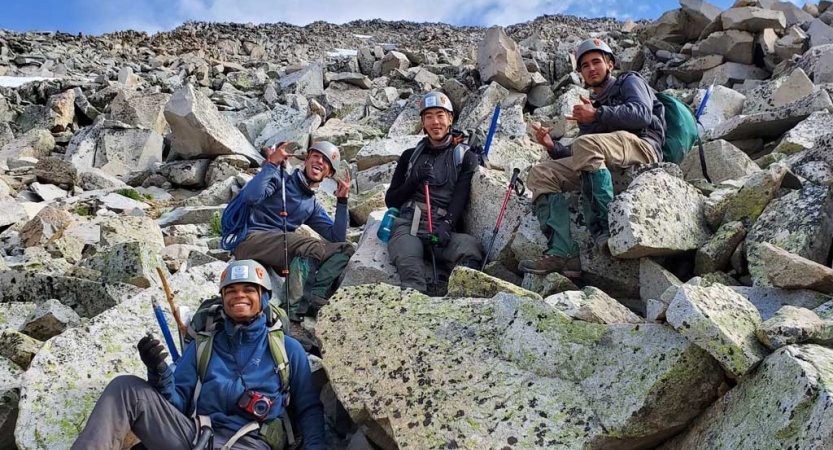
column 264, row 237
column 620, row 125
column 442, row 161
column 233, row 392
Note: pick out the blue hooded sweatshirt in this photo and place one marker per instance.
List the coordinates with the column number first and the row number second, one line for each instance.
column 241, row 360
column 263, row 194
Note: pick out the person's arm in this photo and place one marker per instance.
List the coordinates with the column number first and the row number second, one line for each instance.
column 462, row 189
column 262, row 185
column 401, row 189
column 321, row 222
column 636, row 111
column 178, row 388
column 305, row 397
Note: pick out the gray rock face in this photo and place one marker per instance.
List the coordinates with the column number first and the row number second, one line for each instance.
column 769, row 300
column 50, row 319
column 56, row 171
column 792, row 13
column 375, row 176
column 394, row 61
column 546, row 285
column 189, row 215
column 114, row 149
column 371, row 263
column 96, row 179
column 735, row 46
column 37, row 143
column 790, row 395
column 11, row 212
column 383, row 151
column 501, row 344
column 592, row 305
column 790, row 325
column 804, row 135
column 141, row 110
column 785, row 270
column 714, row 255
column 721, row 322
column 86, row 297
column 109, row 340
column 199, row 129
column 752, row 19
column 499, row 59
column 747, row 204
column 118, row 230
column 186, row 173
column 779, row 92
column 14, row 315
column 800, row 223
column 724, row 162
column 693, row 69
column 120, row 203
column 129, row 263
column 729, row 73
column 654, row 280
column 658, row 214
column 466, row 282
column 308, row 81
column 772, row 123
column 18, row 347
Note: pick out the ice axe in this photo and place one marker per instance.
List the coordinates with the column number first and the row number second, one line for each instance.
column 515, row 184
column 700, row 110
column 163, row 325
column 183, row 330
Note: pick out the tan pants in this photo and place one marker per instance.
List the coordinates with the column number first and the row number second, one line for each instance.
column 591, row 152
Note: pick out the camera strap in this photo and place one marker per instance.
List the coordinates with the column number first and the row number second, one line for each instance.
column 248, row 428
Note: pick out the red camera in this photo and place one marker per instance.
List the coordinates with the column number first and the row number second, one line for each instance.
column 255, row 404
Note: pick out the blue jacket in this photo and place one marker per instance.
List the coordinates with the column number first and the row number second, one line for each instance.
column 629, row 104
column 263, row 194
column 241, row 354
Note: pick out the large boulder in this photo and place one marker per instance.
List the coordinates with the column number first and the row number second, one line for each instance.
column 769, row 300
column 466, row 282
column 519, row 363
column 54, row 170
column 729, row 73
column 785, row 403
column 11, row 212
column 141, row 110
column 371, row 263
column 50, row 319
column 657, row 215
column 308, row 81
column 186, row 173
column 781, row 91
column 721, row 322
column 198, row 129
column 37, row 143
column 14, row 315
column 792, row 13
column 752, row 19
column 804, row 135
column 594, row 306
column 46, row 223
column 87, row 298
column 692, row 70
column 772, row 123
column 724, row 162
column 115, row 149
column 59, row 112
column 735, row 46
column 499, row 59
column 128, row 262
column 383, row 151
column 65, row 379
column 118, row 230
column 800, row 223
column 714, row 255
column 785, row 270
column 791, row 325
column 747, row 204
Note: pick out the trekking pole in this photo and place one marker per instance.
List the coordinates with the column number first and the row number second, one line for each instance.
column 163, row 325
column 433, row 239
column 492, row 128
column 512, row 183
column 284, row 214
column 170, row 296
column 700, row 110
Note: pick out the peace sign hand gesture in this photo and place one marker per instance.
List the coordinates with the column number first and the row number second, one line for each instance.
column 343, row 188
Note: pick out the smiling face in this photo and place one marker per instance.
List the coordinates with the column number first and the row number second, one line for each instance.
column 436, row 122
column 241, row 301
column 595, row 67
column 317, row 167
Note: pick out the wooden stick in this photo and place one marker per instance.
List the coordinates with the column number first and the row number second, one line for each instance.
column 170, row 295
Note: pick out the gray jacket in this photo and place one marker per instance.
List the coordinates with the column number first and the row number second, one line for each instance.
column 629, row 104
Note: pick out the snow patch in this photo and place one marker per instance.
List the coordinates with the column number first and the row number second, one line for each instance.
column 16, row 82
column 342, row 53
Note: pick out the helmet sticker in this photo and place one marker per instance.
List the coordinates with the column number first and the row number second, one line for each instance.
column 431, row 102
column 259, row 272
column 239, row 273
column 597, row 42
column 335, row 155
column 223, row 275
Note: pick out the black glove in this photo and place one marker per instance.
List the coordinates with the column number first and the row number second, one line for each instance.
column 153, row 354
column 559, row 151
column 424, row 173
column 443, row 231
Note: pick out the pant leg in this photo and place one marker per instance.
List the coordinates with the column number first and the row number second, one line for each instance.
column 267, row 247
column 461, row 247
column 407, row 254
column 553, row 213
column 129, row 403
column 552, row 177
column 592, row 152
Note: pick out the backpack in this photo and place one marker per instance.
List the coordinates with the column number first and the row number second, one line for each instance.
column 460, row 150
column 680, row 129
column 203, row 327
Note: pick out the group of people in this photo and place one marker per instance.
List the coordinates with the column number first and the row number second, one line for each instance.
column 622, row 124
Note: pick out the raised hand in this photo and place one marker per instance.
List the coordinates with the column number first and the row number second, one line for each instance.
column 343, row 188
column 277, row 154
column 542, row 135
column 584, row 112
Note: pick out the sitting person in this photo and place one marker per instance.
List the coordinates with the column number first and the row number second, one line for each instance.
column 163, row 412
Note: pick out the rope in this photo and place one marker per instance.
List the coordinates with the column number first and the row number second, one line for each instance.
column 234, row 223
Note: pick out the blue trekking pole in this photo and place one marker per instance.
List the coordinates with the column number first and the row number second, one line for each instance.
column 166, row 332
column 491, row 134
column 700, row 110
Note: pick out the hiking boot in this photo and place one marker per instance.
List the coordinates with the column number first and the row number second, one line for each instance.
column 569, row 267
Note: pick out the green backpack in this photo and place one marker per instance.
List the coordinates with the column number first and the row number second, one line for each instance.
column 680, row 129
column 202, row 328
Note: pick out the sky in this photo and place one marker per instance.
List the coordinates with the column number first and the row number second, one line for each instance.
column 102, row 16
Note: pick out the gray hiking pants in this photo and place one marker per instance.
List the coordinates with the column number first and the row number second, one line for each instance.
column 267, row 247
column 408, row 253
column 129, row 403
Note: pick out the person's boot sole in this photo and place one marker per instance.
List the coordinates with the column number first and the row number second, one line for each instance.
column 566, row 273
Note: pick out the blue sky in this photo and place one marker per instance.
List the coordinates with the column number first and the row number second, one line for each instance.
column 101, row 16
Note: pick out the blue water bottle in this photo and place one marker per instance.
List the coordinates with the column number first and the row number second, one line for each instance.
column 387, row 224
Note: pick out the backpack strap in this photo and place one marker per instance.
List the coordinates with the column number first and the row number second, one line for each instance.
column 460, row 153
column 204, row 345
column 414, row 156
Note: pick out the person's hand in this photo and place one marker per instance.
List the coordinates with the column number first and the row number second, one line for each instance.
column 343, row 188
column 443, row 232
column 153, row 354
column 278, row 155
column 542, row 135
column 584, row 112
column 425, row 173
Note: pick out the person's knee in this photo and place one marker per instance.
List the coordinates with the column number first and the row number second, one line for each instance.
column 126, row 383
